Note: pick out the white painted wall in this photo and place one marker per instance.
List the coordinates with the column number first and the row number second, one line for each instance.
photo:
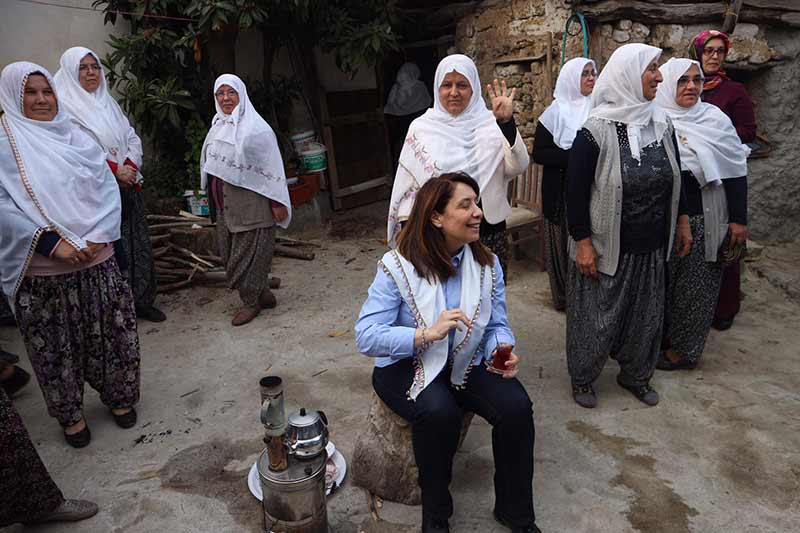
column 39, row 33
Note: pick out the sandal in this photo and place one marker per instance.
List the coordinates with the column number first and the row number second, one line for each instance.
column 126, row 420
column 584, row 396
column 684, row 363
column 79, row 439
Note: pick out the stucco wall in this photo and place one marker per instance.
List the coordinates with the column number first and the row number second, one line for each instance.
column 39, row 33
column 766, row 59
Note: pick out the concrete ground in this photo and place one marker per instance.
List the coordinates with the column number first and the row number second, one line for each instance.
column 721, row 452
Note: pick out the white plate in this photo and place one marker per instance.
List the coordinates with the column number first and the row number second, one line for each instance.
column 254, row 484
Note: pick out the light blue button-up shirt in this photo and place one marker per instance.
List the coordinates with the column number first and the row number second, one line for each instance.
column 385, row 327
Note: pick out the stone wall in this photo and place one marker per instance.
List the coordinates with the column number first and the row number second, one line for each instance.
column 766, row 59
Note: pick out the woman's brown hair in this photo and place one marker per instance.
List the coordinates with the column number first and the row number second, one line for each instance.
column 422, row 243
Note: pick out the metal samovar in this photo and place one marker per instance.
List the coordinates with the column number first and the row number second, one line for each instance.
column 292, row 467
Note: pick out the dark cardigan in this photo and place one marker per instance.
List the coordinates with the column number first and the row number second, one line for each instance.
column 554, row 161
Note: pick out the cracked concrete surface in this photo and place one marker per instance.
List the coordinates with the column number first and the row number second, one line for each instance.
column 720, row 453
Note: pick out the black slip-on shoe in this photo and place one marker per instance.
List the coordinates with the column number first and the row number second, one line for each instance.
column 644, row 393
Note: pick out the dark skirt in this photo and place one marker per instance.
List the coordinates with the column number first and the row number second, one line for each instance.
column 81, row 327
column 621, row 316
column 693, row 289
column 26, row 489
column 248, row 259
column 556, row 260
column 135, row 244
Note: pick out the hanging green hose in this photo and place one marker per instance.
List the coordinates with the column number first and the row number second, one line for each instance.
column 579, row 17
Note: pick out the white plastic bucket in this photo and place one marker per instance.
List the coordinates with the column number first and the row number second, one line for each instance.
column 301, row 139
column 314, row 157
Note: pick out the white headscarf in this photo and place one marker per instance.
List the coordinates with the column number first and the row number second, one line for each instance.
column 707, row 140
column 409, row 94
column 438, row 142
column 62, row 181
column 97, row 111
column 618, row 95
column 241, row 149
column 569, row 109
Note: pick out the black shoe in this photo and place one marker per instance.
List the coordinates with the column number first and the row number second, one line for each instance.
column 584, row 396
column 530, row 528
column 684, row 363
column 722, row 324
column 150, row 313
column 432, row 525
column 644, row 393
column 128, row 420
column 19, row 378
column 79, row 439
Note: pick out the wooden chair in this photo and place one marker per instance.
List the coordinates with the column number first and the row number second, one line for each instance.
column 526, row 211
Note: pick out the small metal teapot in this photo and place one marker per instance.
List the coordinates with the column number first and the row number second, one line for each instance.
column 307, row 433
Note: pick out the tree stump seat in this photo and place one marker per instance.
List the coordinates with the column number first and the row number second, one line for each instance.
column 383, row 458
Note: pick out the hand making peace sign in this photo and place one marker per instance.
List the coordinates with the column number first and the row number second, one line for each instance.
column 501, row 100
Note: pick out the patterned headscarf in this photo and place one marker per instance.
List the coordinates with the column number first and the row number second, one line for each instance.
column 696, row 47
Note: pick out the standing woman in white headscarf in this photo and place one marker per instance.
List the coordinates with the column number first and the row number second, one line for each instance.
column 459, row 134
column 407, row 100
column 623, row 202
column 61, row 212
column 555, row 131
column 242, row 166
column 714, row 168
column 83, row 93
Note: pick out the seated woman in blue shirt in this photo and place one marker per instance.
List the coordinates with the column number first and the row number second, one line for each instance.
column 435, row 312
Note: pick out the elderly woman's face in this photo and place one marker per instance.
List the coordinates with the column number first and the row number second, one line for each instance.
column 588, row 77
column 455, row 93
column 689, row 87
column 89, row 73
column 713, row 55
column 227, row 98
column 461, row 220
column 38, row 99
column 650, row 80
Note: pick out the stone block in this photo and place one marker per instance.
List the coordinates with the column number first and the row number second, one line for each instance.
column 606, row 30
column 669, row 36
column 640, row 30
column 492, row 18
column 744, row 29
column 522, row 9
column 621, row 36
column 625, row 24
column 383, row 458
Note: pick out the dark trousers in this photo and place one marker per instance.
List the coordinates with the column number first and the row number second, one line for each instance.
column 729, row 293
column 435, row 419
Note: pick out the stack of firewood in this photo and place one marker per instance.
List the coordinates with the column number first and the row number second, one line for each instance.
column 178, row 267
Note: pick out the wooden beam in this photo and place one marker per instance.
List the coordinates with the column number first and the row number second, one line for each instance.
column 365, row 186
column 732, row 16
column 780, row 12
column 509, row 60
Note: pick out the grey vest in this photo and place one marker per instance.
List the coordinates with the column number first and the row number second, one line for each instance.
column 605, row 205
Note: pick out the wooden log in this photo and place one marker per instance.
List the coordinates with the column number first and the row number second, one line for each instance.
column 296, row 242
column 383, row 458
column 157, row 239
column 213, row 258
column 189, row 254
column 174, row 286
column 186, row 214
column 184, row 262
column 165, row 218
column 287, row 251
column 158, row 252
column 168, row 225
